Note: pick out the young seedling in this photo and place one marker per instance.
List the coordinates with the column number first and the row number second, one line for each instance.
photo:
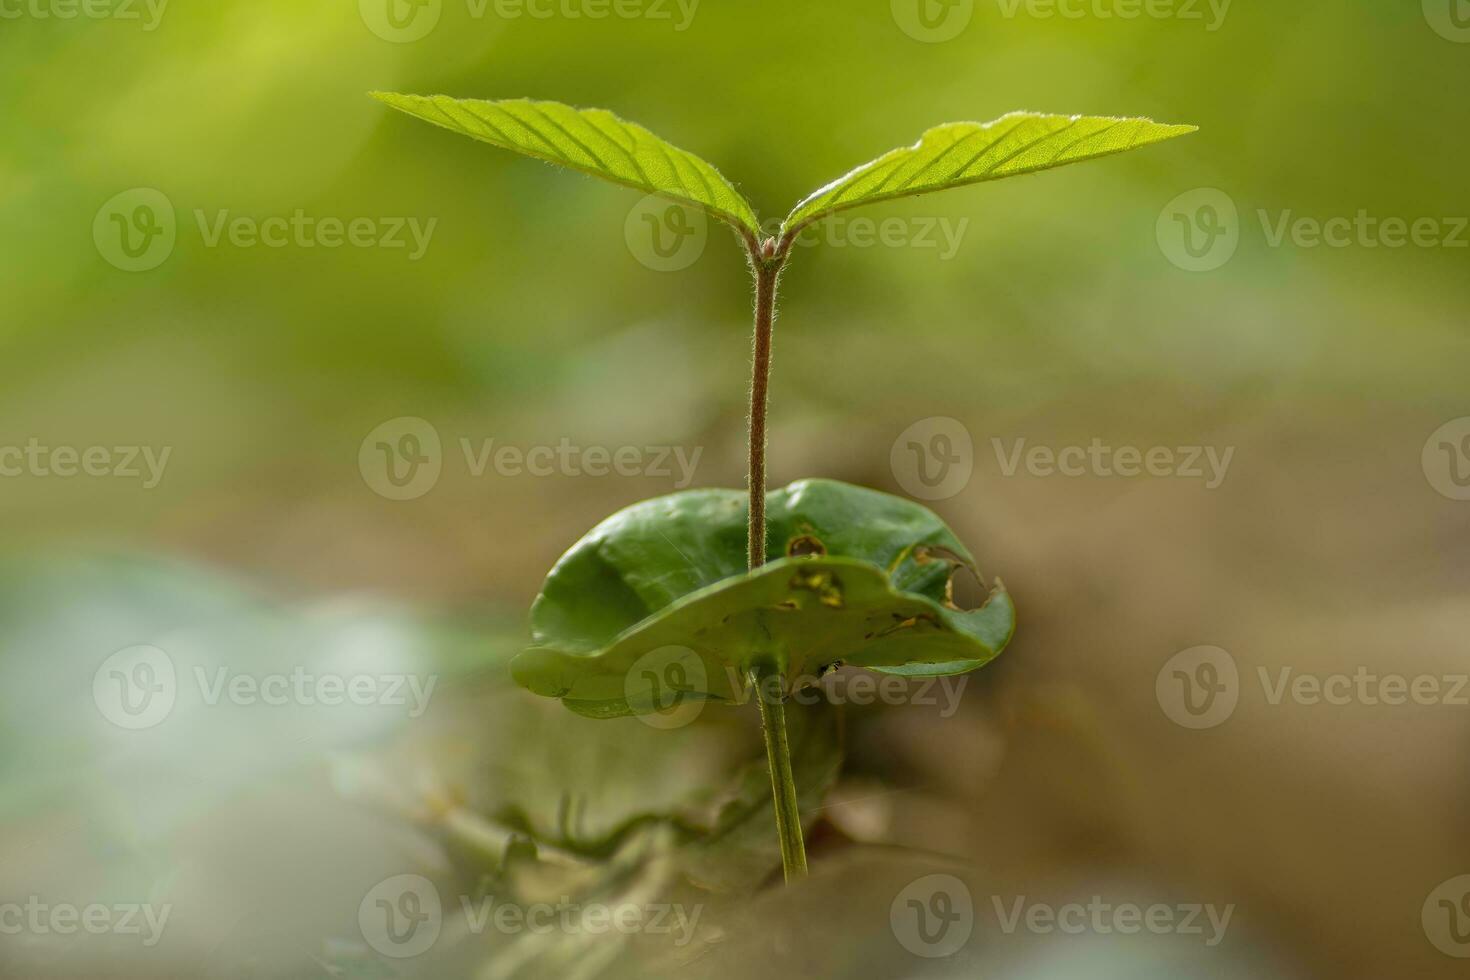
column 672, row 600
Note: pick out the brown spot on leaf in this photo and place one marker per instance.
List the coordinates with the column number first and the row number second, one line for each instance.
column 805, row 544
column 824, row 584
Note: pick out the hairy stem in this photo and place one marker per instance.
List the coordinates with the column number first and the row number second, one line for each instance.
column 766, row 259
column 771, row 698
column 767, row 272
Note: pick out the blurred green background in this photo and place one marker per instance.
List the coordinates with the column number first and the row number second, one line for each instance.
column 1065, row 313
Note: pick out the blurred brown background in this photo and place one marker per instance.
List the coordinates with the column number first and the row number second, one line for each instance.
column 1286, row 286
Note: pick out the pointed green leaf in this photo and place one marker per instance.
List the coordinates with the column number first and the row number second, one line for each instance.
column 593, row 141
column 966, row 153
column 662, row 587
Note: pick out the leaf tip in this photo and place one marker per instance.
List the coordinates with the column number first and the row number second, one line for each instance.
column 393, row 100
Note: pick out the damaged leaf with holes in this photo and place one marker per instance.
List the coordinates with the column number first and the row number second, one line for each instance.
column 866, row 579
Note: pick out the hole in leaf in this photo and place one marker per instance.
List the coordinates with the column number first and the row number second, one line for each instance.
column 926, row 553
column 965, row 590
column 804, row 544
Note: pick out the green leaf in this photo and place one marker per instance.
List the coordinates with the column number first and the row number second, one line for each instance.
column 593, row 141
column 966, row 153
column 865, row 581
